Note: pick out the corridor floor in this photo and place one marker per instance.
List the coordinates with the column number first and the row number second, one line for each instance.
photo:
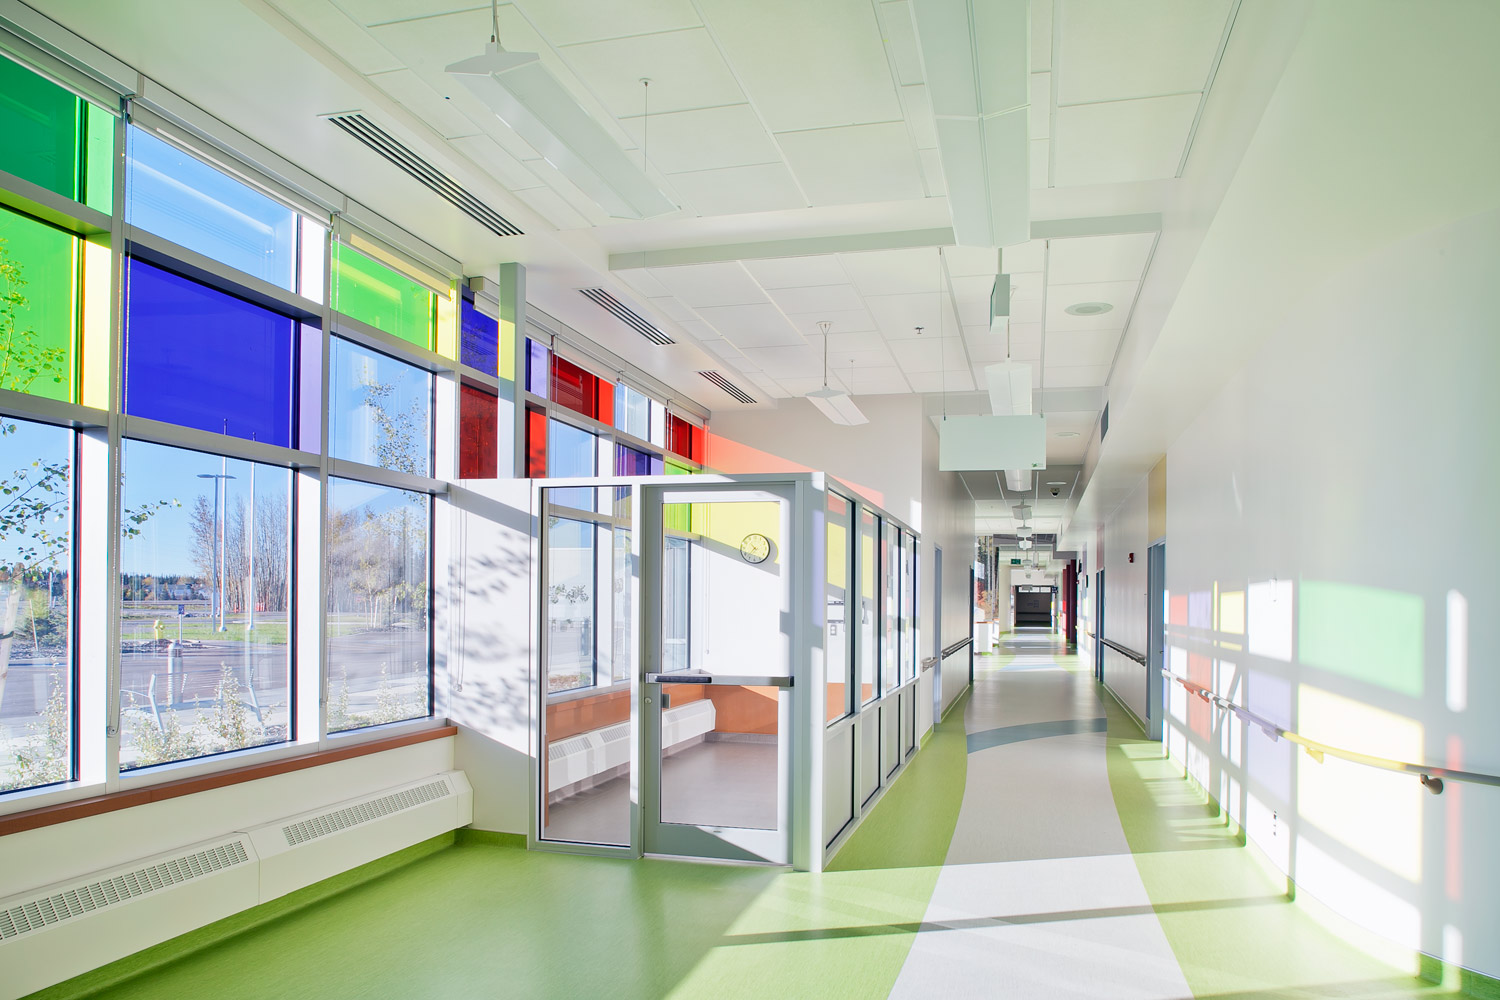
column 1037, row 846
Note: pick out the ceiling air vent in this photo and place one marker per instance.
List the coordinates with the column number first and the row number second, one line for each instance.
column 388, row 146
column 627, row 315
column 723, row 383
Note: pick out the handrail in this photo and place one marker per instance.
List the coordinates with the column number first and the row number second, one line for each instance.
column 1132, row 654
column 1431, row 776
column 960, row 644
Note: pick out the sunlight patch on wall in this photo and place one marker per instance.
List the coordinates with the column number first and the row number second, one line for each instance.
column 1346, row 890
column 1458, row 652
column 1269, row 619
column 1367, row 633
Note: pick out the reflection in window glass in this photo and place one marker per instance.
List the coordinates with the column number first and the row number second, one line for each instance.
column 908, row 605
column 36, row 317
column 379, row 410
column 632, row 412
column 205, row 587
column 378, row 626
column 571, row 452
column 869, row 639
column 836, row 650
column 676, row 568
column 570, row 602
column 183, row 199
column 36, row 577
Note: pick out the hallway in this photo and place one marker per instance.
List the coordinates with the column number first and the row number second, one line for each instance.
column 1036, row 847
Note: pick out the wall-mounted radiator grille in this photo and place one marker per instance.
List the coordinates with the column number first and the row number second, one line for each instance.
column 362, row 812
column 56, row 905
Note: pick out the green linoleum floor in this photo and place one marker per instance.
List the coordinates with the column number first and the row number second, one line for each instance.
column 484, row 920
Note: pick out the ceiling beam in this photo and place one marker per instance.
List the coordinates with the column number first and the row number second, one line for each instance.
column 1109, row 225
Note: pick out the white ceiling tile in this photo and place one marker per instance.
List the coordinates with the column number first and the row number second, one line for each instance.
column 494, row 160
column 722, row 284
column 341, row 33
column 701, row 331
column 1075, row 377
column 876, row 381
column 791, row 361
column 1026, row 341
column 901, row 40
column 1082, row 347
column 797, row 272
column 1040, row 120
column 854, row 164
column 565, row 22
column 898, row 316
column 919, row 118
column 932, row 173
column 685, row 69
column 1041, row 36
column 1025, row 257
column 701, row 140
column 786, row 50
column 802, row 385
column 1119, row 294
column 968, row 261
column 895, row 272
column 553, row 207
column 1040, row 153
column 672, row 309
column 1099, row 258
column 766, row 384
column 1122, row 141
column 987, row 350
column 644, row 282
column 927, row 354
column 762, row 187
column 747, row 326
column 973, row 294
column 1025, row 309
column 427, row 104
column 941, row 381
column 1026, row 285
column 844, row 321
column 847, row 343
column 818, row 298
column 1109, row 51
column 382, row 11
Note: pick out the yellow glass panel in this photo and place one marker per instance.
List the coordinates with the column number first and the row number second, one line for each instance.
column 98, row 265
column 448, row 325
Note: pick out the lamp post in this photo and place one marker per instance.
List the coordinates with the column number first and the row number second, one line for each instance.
column 216, row 541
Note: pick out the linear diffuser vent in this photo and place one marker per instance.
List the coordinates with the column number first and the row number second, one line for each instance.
column 627, row 315
column 388, row 146
column 723, row 383
column 363, row 812
column 74, row 901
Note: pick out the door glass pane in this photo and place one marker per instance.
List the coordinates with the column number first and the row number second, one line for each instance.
column 869, row 568
column 586, row 725
column 890, row 547
column 720, row 755
column 908, row 605
column 836, row 618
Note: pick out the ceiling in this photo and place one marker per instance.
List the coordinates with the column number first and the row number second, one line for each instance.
column 797, row 137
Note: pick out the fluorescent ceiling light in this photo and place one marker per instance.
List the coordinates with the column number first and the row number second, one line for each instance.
column 839, row 408
column 1010, row 388
column 1000, row 306
column 526, row 96
column 981, row 109
column 1019, row 481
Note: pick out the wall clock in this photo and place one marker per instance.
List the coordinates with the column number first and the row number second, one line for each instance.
column 755, row 548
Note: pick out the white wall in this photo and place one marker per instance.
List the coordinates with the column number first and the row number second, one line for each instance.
column 948, row 522
column 1125, row 598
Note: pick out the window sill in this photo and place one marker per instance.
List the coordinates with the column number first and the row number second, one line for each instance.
column 63, row 812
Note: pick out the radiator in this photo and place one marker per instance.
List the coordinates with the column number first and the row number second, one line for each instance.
column 579, row 757
column 58, row 931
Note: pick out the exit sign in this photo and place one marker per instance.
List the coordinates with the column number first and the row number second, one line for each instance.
column 1015, row 562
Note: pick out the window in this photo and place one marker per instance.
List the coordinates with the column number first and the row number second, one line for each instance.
column 676, row 569
column 908, row 605
column 379, row 643
column 890, row 605
column 684, row 438
column 581, row 391
column 571, row 609
column 478, row 438
column 36, row 587
column 571, row 451
column 380, row 410
column 479, row 338
column 839, row 557
column 375, row 294
column 205, row 593
column 869, row 609
column 182, row 199
column 536, row 444
column 37, row 282
column 633, row 412
column 54, row 139
column 200, row 358
column 631, row 462
column 538, row 369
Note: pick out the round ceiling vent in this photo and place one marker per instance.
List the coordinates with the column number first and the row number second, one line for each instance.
column 1088, row 309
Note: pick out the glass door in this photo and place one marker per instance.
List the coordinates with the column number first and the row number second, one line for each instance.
column 717, row 709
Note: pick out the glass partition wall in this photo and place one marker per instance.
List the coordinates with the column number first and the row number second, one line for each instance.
column 718, row 657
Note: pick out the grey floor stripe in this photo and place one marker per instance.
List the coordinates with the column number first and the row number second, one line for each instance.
column 1033, row 731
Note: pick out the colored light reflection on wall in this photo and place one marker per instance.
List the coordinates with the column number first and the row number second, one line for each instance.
column 1373, row 812
column 729, row 456
column 1368, row 633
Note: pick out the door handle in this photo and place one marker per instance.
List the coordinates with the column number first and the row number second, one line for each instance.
column 728, row 680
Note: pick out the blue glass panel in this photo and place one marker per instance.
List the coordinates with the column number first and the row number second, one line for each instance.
column 194, row 205
column 379, row 410
column 630, row 462
column 571, row 452
column 200, row 358
column 479, row 340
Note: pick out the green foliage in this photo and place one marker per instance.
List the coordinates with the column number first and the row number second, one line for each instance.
column 228, row 726
column 22, row 360
column 42, row 755
column 390, row 706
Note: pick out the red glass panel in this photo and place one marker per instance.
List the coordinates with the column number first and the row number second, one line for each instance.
column 679, row 436
column 604, row 404
column 536, row 444
column 478, row 438
column 574, row 387
column 697, row 444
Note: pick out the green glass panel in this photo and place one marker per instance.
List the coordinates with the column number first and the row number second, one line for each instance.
column 673, row 469
column 40, row 124
column 36, row 307
column 677, row 517
column 1367, row 633
column 373, row 293
column 99, row 159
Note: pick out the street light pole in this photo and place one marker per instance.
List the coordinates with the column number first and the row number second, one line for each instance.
column 216, row 539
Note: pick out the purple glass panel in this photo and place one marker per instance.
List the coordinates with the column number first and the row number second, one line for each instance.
column 538, row 368
column 200, row 358
column 629, row 462
column 479, row 339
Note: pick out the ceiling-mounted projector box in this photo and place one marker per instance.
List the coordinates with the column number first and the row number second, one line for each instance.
column 980, row 443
